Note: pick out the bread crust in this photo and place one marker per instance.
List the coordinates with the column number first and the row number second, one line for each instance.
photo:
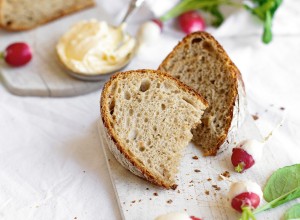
column 115, row 145
column 238, row 101
column 61, row 14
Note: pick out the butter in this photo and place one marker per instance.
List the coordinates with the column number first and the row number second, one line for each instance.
column 94, row 47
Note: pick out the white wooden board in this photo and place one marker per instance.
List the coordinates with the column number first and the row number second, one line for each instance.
column 44, row 75
column 136, row 196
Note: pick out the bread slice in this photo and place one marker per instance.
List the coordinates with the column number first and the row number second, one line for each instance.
column 201, row 63
column 148, row 116
column 17, row 15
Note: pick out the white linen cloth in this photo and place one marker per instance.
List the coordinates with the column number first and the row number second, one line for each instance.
column 51, row 162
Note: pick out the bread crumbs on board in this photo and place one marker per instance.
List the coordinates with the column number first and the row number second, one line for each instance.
column 206, row 192
column 197, row 171
column 169, row 201
column 155, row 194
column 209, row 179
column 195, row 157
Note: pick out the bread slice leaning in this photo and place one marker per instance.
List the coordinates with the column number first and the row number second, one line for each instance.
column 18, row 15
column 148, row 116
column 201, row 63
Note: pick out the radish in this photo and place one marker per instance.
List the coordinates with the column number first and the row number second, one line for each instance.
column 191, row 21
column 245, row 196
column 177, row 216
column 149, row 32
column 248, row 152
column 17, row 54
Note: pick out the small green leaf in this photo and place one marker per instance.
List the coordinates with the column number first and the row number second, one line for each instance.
column 283, row 181
column 292, row 213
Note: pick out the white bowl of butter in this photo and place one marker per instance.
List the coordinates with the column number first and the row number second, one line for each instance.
column 92, row 48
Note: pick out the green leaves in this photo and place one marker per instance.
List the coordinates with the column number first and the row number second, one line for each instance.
column 263, row 9
column 282, row 181
column 282, row 187
column 292, row 213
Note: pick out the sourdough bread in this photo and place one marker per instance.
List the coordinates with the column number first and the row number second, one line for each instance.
column 201, row 63
column 148, row 116
column 17, row 15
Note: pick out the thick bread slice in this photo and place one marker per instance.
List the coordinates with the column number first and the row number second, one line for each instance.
column 200, row 62
column 17, row 15
column 148, row 116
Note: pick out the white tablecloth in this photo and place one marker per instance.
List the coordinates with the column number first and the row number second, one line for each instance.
column 51, row 162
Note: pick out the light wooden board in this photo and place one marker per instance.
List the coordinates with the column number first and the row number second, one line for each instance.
column 136, row 196
column 44, row 75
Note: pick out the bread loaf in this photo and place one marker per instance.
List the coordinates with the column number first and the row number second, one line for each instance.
column 148, row 116
column 17, row 15
column 201, row 63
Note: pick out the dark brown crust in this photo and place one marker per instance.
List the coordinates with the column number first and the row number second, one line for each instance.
column 62, row 14
column 110, row 130
column 231, row 66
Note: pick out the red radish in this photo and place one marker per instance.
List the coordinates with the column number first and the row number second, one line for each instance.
column 245, row 194
column 159, row 23
column 248, row 152
column 195, row 218
column 191, row 21
column 245, row 154
column 148, row 33
column 17, row 54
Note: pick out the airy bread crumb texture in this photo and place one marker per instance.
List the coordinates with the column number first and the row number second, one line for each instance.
column 201, row 63
column 152, row 117
column 26, row 14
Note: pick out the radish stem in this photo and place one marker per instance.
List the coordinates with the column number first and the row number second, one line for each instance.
column 2, row 55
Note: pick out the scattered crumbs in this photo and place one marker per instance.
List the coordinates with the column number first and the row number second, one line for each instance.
column 75, row 217
column 126, row 210
column 197, row 171
column 123, row 203
column 191, row 181
column 227, row 141
column 282, row 108
column 209, row 179
column 178, row 191
column 216, row 187
column 108, row 160
column 234, row 142
column 83, row 171
column 169, row 201
column 195, row 157
column 147, row 188
column 185, row 209
column 155, row 194
column 133, row 201
column 206, row 192
column 227, row 199
column 140, row 200
column 224, row 175
column 150, row 199
column 255, row 117
column 215, row 194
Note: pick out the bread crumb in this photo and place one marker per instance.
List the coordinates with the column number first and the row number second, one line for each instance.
column 155, row 194
column 216, row 187
column 191, row 181
column 282, row 108
column 255, row 117
column 178, row 191
column 224, row 175
column 147, row 188
column 140, row 200
column 195, row 157
column 133, row 201
column 207, row 192
column 169, row 201
column 197, row 171
column 75, row 217
column 209, row 179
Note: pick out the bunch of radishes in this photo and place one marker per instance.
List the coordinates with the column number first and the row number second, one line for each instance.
column 188, row 22
column 17, row 54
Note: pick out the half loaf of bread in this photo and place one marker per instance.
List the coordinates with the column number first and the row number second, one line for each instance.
column 201, row 63
column 17, row 15
column 148, row 116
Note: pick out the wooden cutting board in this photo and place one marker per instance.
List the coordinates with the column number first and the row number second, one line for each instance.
column 200, row 192
column 44, row 75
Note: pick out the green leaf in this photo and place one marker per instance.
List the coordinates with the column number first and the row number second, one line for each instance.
column 292, row 213
column 283, row 181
